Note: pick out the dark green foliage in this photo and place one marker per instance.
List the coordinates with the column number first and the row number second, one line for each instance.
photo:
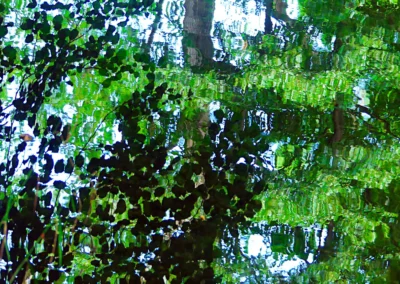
column 59, row 166
column 79, row 160
column 57, row 22
column 59, row 184
column 10, row 52
column 3, row 31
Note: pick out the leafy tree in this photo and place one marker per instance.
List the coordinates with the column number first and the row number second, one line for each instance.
column 304, row 141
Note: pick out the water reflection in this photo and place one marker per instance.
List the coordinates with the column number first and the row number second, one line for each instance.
column 202, row 32
column 284, row 109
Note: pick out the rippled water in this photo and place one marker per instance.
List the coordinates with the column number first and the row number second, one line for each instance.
column 301, row 96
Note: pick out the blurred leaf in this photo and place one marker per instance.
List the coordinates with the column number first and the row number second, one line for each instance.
column 29, row 38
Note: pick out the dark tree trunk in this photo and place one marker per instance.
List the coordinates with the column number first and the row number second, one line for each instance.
column 197, row 24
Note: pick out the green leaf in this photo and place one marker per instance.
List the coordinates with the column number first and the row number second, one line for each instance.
column 98, row 23
column 32, row 5
column 61, row 42
column 29, row 38
column 120, row 12
column 106, row 83
column 111, row 29
column 63, row 33
column 107, row 8
column 10, row 52
column 59, row 184
column 57, row 21
column 117, row 76
column 73, row 34
column 110, row 51
column 103, row 72
column 45, row 28
column 115, row 39
column 121, row 54
column 96, row 5
column 79, row 160
column 3, row 31
column 27, row 24
column 25, row 60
